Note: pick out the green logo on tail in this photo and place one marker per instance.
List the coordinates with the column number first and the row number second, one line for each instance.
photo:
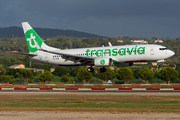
column 31, row 36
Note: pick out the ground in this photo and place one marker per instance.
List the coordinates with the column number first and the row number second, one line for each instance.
column 74, row 106
column 85, row 116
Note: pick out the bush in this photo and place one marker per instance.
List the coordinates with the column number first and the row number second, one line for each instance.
column 18, row 80
column 95, row 80
column 119, row 82
column 30, row 81
column 176, row 81
column 74, row 79
column 156, row 80
column 64, row 78
column 11, row 81
column 56, row 79
column 136, row 81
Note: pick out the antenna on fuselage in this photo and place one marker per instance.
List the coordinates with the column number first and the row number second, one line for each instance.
column 109, row 43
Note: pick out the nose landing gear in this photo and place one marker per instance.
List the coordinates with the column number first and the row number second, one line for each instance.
column 158, row 65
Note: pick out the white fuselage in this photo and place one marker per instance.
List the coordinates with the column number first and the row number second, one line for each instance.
column 122, row 54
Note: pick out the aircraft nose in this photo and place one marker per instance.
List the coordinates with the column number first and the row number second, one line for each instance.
column 171, row 53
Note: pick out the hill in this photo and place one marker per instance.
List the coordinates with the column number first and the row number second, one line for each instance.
column 44, row 32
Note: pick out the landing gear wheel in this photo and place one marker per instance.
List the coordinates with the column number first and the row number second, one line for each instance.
column 158, row 65
column 90, row 69
column 103, row 69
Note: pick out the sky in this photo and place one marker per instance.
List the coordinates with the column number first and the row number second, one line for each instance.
column 111, row 18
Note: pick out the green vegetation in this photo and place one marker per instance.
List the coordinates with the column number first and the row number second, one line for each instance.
column 64, row 78
column 94, row 103
column 167, row 74
column 26, row 75
column 6, row 78
column 84, row 75
column 108, row 75
column 124, row 74
column 46, row 77
column 121, row 76
column 146, row 74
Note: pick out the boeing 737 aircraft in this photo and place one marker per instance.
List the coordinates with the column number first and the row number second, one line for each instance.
column 120, row 56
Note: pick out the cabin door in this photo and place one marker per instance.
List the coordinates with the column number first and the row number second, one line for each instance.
column 152, row 50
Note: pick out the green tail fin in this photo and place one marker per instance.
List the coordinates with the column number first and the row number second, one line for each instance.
column 31, row 36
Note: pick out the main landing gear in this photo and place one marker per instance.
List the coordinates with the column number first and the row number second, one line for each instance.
column 103, row 69
column 90, row 69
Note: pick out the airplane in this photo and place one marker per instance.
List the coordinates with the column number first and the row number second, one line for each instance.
column 105, row 56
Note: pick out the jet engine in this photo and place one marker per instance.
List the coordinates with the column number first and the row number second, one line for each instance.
column 103, row 62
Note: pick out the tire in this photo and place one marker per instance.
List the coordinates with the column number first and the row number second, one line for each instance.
column 103, row 69
column 90, row 69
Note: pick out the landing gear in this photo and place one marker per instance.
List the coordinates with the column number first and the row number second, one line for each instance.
column 90, row 69
column 103, row 69
column 158, row 65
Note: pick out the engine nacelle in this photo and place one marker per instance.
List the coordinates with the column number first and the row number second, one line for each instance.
column 123, row 64
column 102, row 62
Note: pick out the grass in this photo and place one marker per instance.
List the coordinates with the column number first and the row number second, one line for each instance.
column 94, row 103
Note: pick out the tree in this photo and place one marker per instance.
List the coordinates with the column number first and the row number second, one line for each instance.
column 136, row 74
column 2, row 69
column 73, row 71
column 26, row 75
column 64, row 78
column 167, row 74
column 84, row 75
column 125, row 74
column 9, row 79
column 46, row 77
column 6, row 78
column 146, row 74
column 60, row 71
column 2, row 78
column 108, row 75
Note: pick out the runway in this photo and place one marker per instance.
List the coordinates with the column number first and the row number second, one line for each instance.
column 86, row 116
column 89, row 93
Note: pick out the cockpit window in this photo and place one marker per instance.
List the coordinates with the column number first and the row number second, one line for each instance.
column 162, row 48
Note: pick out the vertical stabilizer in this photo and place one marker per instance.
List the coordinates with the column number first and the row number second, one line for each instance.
column 31, row 36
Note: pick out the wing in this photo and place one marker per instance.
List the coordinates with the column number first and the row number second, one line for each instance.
column 75, row 58
column 71, row 57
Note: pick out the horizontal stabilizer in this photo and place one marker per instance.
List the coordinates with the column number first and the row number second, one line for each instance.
column 29, row 54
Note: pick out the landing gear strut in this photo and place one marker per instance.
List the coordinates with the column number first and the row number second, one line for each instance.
column 158, row 65
column 103, row 69
column 90, row 69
